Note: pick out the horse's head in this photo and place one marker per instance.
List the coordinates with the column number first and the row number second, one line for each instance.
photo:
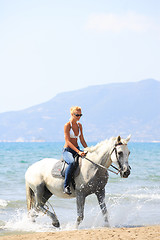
column 120, row 154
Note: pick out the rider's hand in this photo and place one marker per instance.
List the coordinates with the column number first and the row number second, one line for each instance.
column 82, row 154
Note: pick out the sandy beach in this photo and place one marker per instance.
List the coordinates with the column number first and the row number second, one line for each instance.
column 141, row 233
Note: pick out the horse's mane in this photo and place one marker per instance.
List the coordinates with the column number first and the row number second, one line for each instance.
column 104, row 143
column 108, row 142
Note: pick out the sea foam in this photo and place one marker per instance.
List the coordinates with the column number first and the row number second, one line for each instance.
column 3, row 203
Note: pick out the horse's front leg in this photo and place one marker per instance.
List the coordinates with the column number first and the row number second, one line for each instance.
column 80, row 198
column 101, row 199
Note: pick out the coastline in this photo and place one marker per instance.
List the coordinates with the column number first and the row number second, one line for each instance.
column 140, row 233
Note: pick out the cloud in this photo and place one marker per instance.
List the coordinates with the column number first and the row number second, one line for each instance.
column 118, row 23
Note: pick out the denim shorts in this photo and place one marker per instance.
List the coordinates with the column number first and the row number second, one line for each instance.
column 69, row 154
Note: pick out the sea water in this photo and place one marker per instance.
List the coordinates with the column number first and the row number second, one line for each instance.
column 134, row 201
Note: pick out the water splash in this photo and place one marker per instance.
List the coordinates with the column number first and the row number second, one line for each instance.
column 20, row 222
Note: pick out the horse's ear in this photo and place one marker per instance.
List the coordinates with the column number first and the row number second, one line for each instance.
column 118, row 139
column 128, row 138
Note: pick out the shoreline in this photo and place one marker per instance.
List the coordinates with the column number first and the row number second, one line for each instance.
column 140, row 233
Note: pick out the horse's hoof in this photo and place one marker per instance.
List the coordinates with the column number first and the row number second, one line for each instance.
column 56, row 224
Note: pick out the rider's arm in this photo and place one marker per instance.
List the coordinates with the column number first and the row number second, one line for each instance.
column 83, row 142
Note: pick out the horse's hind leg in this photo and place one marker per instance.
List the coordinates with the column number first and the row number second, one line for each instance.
column 42, row 194
column 101, row 199
column 47, row 194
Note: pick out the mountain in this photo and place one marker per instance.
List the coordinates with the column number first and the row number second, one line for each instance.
column 108, row 110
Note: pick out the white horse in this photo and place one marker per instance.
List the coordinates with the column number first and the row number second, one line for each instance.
column 92, row 178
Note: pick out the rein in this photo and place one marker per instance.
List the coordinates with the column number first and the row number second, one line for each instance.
column 107, row 169
column 101, row 166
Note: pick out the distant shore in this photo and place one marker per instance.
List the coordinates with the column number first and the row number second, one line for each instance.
column 44, row 141
column 140, row 233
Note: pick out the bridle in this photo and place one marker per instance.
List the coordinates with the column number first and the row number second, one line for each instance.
column 107, row 169
column 119, row 163
column 116, row 153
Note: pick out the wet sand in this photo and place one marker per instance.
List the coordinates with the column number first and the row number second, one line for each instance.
column 141, row 233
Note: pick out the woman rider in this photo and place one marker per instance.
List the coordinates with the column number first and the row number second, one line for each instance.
column 72, row 130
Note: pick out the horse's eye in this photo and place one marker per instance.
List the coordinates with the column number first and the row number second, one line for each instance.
column 120, row 154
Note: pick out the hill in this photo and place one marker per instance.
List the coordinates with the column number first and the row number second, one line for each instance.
column 108, row 110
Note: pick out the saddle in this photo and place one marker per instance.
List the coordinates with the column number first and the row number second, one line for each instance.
column 60, row 168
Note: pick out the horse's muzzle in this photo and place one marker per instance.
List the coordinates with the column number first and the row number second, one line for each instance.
column 125, row 173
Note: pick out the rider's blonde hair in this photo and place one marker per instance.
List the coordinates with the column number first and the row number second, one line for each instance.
column 75, row 108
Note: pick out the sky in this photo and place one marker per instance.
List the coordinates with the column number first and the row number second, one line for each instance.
column 53, row 46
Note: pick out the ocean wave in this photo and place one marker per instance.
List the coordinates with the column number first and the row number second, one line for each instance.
column 133, row 197
column 12, row 203
column 146, row 196
column 3, row 203
column 16, row 204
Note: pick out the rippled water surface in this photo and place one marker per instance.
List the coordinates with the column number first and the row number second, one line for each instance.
column 131, row 202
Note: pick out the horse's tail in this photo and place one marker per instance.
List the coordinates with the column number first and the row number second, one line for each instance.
column 29, row 197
